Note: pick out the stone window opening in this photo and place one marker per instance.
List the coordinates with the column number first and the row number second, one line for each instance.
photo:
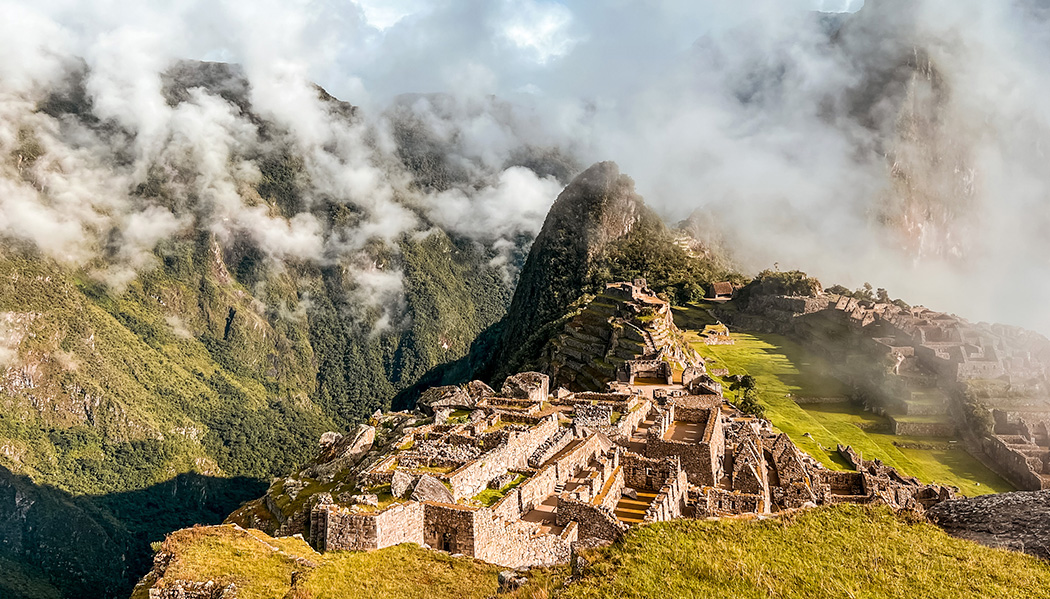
column 446, row 542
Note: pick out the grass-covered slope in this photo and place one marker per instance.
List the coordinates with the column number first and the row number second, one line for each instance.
column 787, row 376
column 262, row 567
column 841, row 551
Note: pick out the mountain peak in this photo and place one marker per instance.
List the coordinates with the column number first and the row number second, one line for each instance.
column 598, row 207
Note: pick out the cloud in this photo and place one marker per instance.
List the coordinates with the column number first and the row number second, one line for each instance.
column 925, row 182
column 516, row 204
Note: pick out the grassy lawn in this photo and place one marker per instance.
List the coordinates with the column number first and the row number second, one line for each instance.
column 489, row 497
column 262, row 567
column 784, row 370
column 839, row 551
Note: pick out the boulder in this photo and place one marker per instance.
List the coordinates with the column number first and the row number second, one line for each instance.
column 451, row 397
column 433, row 490
column 329, row 439
column 1019, row 521
column 346, row 452
column 477, row 390
column 527, row 385
column 509, row 581
column 400, row 484
column 629, row 493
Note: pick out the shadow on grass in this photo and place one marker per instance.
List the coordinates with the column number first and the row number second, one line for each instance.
column 97, row 547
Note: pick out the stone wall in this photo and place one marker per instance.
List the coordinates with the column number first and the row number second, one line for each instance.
column 555, row 443
column 844, row 483
column 671, row 500
column 694, row 409
column 694, row 457
column 595, row 521
column 541, row 486
column 612, row 491
column 484, row 533
column 602, row 397
column 702, row 461
column 720, row 502
column 647, row 474
column 450, row 528
column 337, row 529
column 1013, row 465
column 923, row 429
column 473, row 477
column 662, row 423
column 517, row 544
column 380, row 473
column 568, row 464
column 629, row 422
column 589, row 415
column 509, row 507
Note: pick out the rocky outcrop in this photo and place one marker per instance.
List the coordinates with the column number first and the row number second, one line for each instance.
column 342, row 452
column 431, row 489
column 1018, row 521
column 448, row 397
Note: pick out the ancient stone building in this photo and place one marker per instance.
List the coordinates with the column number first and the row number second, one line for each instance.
column 516, row 477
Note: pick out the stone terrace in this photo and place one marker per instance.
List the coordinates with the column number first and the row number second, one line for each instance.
column 515, row 477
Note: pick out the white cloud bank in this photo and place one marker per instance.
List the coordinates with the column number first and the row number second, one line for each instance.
column 743, row 109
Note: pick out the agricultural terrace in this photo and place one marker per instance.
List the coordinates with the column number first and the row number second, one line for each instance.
column 785, row 373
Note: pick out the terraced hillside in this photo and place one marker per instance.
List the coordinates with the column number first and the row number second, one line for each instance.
column 803, row 400
column 611, row 330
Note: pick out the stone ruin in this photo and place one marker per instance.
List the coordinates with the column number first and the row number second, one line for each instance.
column 624, row 334
column 529, row 473
column 1020, row 445
column 932, row 361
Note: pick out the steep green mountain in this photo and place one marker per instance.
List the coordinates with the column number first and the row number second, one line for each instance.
column 208, row 354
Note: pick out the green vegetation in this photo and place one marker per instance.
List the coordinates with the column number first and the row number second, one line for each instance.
column 783, row 371
column 262, row 568
column 841, row 551
column 649, row 252
column 747, row 398
column 836, row 551
column 217, row 362
column 490, row 497
column 19, row 580
column 774, row 282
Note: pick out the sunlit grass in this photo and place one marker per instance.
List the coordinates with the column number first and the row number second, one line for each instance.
column 841, row 551
column 785, row 371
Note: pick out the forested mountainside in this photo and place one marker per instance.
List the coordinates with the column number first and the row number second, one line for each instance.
column 209, row 351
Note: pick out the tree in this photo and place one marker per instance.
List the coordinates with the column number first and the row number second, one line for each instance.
column 747, row 402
